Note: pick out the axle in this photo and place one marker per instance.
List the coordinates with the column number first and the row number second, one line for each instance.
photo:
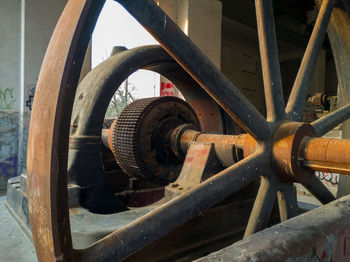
column 314, row 153
column 325, row 154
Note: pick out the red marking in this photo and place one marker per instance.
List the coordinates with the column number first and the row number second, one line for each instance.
column 36, row 181
column 324, row 254
column 344, row 245
column 164, row 86
column 203, row 151
column 169, row 85
column 166, row 89
column 189, row 159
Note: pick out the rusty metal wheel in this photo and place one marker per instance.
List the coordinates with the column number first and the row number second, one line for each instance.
column 277, row 141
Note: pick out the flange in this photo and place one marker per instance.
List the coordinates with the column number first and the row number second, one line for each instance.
column 286, row 148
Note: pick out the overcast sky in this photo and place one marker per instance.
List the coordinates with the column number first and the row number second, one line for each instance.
column 116, row 27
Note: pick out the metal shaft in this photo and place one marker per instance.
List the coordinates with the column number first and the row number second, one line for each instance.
column 318, row 154
column 315, row 153
column 228, row 148
column 326, row 154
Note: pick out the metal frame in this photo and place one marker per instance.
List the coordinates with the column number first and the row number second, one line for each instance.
column 53, row 103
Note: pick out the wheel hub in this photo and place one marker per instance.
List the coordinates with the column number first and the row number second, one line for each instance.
column 285, row 151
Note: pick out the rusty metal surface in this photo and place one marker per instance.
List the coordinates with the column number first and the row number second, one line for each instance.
column 226, row 147
column 326, row 154
column 296, row 151
column 331, row 120
column 49, row 130
column 199, row 159
column 270, row 61
column 273, row 143
column 287, row 202
column 263, row 205
column 286, row 151
column 320, row 235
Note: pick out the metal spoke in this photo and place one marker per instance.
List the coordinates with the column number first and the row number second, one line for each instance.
column 192, row 59
column 330, row 121
column 297, row 97
column 264, row 202
column 319, row 190
column 269, row 60
column 287, row 202
column 174, row 213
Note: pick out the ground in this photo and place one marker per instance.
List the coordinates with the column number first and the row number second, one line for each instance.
column 14, row 244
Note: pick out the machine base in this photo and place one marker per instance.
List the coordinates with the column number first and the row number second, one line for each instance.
column 218, row 227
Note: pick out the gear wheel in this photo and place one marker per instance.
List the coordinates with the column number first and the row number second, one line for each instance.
column 140, row 138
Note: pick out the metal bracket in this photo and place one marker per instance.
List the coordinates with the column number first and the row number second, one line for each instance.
column 199, row 163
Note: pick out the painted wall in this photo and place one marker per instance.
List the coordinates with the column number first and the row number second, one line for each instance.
column 40, row 20
column 9, row 88
column 25, row 30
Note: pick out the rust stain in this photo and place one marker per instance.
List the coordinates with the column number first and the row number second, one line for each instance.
column 37, row 181
column 189, row 159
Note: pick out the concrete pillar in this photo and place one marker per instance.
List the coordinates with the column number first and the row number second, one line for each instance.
column 201, row 21
column 38, row 20
column 10, row 13
column 25, row 30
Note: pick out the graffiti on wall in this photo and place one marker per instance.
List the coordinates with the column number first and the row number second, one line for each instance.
column 30, row 90
column 331, row 178
column 7, row 99
column 8, row 167
column 29, row 102
column 167, row 89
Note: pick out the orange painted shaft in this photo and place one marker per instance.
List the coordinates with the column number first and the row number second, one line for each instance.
column 325, row 154
column 315, row 153
column 225, row 146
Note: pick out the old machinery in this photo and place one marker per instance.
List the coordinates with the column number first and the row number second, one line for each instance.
column 277, row 150
column 144, row 126
column 329, row 103
column 98, row 178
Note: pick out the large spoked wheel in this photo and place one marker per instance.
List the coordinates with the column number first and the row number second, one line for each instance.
column 49, row 132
